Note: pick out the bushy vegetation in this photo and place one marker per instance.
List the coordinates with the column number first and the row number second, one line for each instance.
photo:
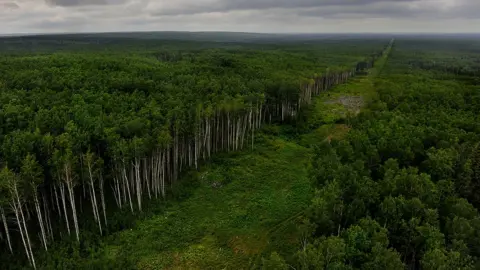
column 400, row 191
column 90, row 125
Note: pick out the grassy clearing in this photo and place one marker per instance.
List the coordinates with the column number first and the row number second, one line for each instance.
column 225, row 222
column 326, row 116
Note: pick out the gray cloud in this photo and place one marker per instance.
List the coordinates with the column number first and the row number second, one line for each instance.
column 9, row 5
column 378, row 10
column 74, row 3
column 239, row 15
column 230, row 5
column 467, row 10
column 416, row 10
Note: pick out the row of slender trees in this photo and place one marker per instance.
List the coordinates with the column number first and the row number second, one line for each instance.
column 49, row 178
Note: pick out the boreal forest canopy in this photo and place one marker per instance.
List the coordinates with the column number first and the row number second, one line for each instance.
column 276, row 152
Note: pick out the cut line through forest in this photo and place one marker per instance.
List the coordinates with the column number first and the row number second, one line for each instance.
column 229, row 219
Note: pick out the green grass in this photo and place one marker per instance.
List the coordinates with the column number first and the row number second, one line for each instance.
column 328, row 110
column 226, row 221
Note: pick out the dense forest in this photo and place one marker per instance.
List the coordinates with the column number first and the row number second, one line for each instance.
column 93, row 127
column 222, row 151
column 400, row 190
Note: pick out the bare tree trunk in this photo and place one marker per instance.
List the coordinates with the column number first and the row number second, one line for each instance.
column 209, row 137
column 222, row 129
column 244, row 129
column 62, row 192
column 175, row 156
column 189, row 146
column 102, row 198
column 72, row 200
column 96, row 216
column 128, row 187
column 48, row 221
column 180, row 155
column 138, row 183
column 56, row 198
column 19, row 223
column 202, row 143
column 167, row 169
column 228, row 132
column 252, row 124
column 7, row 232
column 40, row 219
column 259, row 109
column 196, row 149
column 116, row 192
column 205, row 139
column 25, row 227
column 146, row 176
column 162, row 178
column 154, row 173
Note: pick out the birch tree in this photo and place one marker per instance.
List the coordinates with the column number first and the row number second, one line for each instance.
column 93, row 164
column 31, row 173
column 4, row 199
column 15, row 186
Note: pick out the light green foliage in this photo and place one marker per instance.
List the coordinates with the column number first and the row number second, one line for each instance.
column 441, row 162
column 324, row 253
column 31, row 172
column 384, row 258
column 443, row 260
column 274, row 262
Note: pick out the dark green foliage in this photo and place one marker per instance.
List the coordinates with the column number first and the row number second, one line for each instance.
column 92, row 127
column 398, row 183
column 401, row 190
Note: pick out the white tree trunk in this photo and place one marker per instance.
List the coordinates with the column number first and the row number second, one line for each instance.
column 19, row 223
column 56, row 199
column 7, row 232
column 162, row 180
column 74, row 208
column 138, row 185
column 62, row 193
column 102, row 198
column 195, row 158
column 40, row 219
column 96, row 216
column 48, row 221
column 228, row 132
column 25, row 227
column 116, row 192
column 146, row 176
column 128, row 188
column 253, row 129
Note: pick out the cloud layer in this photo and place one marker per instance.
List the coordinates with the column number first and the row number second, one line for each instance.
column 45, row 16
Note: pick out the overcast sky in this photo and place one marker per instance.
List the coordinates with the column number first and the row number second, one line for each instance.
column 279, row 16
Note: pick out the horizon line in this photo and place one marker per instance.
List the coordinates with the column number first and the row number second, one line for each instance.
column 236, row 32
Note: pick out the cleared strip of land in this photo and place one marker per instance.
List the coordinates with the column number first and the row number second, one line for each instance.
column 243, row 205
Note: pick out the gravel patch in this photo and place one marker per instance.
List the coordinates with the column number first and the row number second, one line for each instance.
column 351, row 103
